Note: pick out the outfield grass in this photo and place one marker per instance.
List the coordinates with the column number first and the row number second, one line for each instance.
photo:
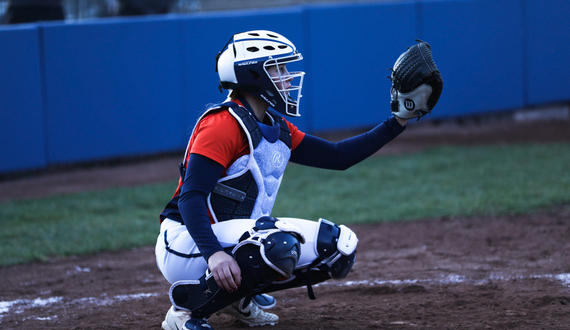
column 444, row 181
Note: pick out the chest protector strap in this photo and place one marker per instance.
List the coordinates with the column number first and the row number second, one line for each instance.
column 235, row 198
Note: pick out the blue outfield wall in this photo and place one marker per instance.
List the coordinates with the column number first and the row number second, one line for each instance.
column 79, row 92
column 22, row 126
column 478, row 48
column 547, row 50
column 112, row 88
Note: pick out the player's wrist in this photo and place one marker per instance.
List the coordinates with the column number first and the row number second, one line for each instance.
column 401, row 121
column 208, row 255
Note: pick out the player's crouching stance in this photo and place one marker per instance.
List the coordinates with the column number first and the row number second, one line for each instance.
column 273, row 255
column 218, row 245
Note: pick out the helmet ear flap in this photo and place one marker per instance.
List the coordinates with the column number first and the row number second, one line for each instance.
column 255, row 75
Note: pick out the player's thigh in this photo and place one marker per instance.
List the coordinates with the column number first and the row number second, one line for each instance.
column 177, row 254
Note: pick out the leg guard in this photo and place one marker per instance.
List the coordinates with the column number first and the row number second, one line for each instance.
column 269, row 251
column 336, row 250
column 336, row 247
column 301, row 277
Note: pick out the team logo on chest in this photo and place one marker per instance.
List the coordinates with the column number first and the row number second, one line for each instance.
column 277, row 159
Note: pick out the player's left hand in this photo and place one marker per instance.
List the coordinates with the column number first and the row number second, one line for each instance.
column 416, row 83
column 225, row 270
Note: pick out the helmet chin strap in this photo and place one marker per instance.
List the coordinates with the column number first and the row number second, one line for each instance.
column 239, row 88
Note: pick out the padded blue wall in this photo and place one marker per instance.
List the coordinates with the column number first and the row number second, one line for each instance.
column 478, row 48
column 351, row 48
column 547, row 50
column 85, row 91
column 22, row 118
column 113, row 88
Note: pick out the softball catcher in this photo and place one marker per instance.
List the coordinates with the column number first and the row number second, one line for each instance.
column 219, row 245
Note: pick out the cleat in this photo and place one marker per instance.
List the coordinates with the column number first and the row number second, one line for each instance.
column 174, row 319
column 250, row 315
column 197, row 324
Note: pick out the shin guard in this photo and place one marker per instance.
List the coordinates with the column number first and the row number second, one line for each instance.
column 269, row 251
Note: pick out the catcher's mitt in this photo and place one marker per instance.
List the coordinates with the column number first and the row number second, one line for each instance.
column 416, row 83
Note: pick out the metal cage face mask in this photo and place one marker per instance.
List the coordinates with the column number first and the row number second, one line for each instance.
column 288, row 84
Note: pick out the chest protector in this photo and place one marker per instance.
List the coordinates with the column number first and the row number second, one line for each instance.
column 249, row 189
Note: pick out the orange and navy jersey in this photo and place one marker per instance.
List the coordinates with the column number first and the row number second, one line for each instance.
column 219, row 137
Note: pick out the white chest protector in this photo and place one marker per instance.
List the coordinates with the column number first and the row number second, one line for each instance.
column 249, row 189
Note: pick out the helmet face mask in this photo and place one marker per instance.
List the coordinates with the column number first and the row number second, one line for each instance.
column 288, row 84
column 254, row 62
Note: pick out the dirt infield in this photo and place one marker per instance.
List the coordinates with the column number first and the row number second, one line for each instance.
column 510, row 272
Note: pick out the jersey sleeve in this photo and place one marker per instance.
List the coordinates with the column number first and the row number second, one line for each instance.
column 219, row 137
column 296, row 135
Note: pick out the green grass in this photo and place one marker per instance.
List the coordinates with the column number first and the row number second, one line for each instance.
column 446, row 181
column 83, row 223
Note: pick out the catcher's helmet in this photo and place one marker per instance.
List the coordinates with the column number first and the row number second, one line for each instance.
column 243, row 66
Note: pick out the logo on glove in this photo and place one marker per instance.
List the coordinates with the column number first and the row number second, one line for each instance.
column 409, row 104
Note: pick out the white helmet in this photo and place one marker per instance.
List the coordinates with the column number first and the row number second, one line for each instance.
column 242, row 66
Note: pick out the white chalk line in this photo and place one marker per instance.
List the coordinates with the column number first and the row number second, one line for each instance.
column 20, row 305
column 450, row 279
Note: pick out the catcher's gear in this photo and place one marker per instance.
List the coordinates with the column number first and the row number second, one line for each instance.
column 269, row 251
column 243, row 66
column 336, row 252
column 416, row 83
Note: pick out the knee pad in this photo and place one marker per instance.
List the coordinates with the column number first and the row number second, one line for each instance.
column 336, row 247
column 269, row 251
column 279, row 243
